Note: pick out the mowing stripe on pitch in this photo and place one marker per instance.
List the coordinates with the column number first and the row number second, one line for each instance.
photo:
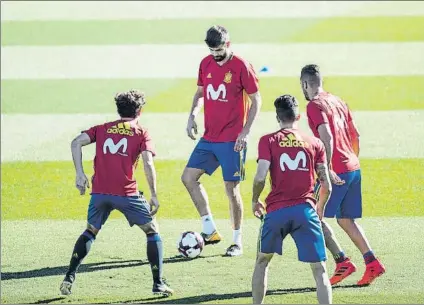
column 49, row 140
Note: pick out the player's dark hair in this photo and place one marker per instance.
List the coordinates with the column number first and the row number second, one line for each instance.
column 287, row 108
column 216, row 36
column 128, row 103
column 312, row 74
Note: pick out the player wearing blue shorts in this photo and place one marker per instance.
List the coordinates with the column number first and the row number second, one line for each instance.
column 292, row 158
column 225, row 83
column 331, row 120
column 119, row 145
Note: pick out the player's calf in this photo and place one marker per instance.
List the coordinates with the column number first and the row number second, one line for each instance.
column 324, row 291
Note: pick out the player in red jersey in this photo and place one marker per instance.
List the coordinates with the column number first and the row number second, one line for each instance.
column 225, row 83
column 331, row 120
column 292, row 159
column 119, row 145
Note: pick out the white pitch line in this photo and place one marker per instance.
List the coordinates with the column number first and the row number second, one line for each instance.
column 110, row 10
column 182, row 61
column 384, row 134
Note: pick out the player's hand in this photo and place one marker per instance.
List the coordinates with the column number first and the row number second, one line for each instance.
column 258, row 209
column 335, row 179
column 191, row 126
column 154, row 204
column 81, row 183
column 241, row 141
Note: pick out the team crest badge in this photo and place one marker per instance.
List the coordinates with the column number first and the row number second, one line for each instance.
column 227, row 78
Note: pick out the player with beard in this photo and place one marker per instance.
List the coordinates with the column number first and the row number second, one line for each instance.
column 225, row 84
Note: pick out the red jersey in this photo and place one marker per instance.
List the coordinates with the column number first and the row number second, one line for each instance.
column 118, row 148
column 330, row 109
column 293, row 156
column 225, row 90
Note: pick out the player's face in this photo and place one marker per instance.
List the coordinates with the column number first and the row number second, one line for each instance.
column 219, row 53
column 304, row 85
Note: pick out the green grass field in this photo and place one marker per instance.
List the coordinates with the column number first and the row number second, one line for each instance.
column 42, row 213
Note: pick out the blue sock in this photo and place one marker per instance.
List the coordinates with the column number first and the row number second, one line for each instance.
column 369, row 257
column 155, row 256
column 340, row 257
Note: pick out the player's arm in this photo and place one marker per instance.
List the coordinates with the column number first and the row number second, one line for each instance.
column 326, row 137
column 258, row 186
column 194, row 111
column 353, row 133
column 76, row 148
column 150, row 173
column 325, row 187
column 255, row 107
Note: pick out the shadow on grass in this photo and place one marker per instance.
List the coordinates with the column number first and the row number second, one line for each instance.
column 61, row 270
column 225, row 296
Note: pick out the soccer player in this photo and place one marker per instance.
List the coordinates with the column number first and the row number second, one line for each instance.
column 331, row 120
column 292, row 158
column 119, row 145
column 225, row 82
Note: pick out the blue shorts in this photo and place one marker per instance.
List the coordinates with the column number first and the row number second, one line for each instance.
column 210, row 155
column 302, row 223
column 345, row 200
column 135, row 208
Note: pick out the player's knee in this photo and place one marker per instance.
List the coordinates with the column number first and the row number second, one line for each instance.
column 92, row 229
column 149, row 228
column 318, row 268
column 187, row 178
column 263, row 259
column 345, row 222
column 232, row 188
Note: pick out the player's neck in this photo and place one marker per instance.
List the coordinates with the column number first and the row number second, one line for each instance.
column 318, row 92
column 128, row 119
column 226, row 59
column 288, row 125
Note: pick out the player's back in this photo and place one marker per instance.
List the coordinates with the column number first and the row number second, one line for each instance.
column 293, row 156
column 338, row 115
column 118, row 147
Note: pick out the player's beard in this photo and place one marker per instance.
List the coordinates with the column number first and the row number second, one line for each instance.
column 306, row 95
column 219, row 58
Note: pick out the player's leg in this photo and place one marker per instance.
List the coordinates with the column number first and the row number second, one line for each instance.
column 137, row 211
column 324, row 291
column 232, row 164
column 201, row 161
column 309, row 239
column 260, row 277
column 273, row 230
column 350, row 210
column 344, row 267
column 98, row 212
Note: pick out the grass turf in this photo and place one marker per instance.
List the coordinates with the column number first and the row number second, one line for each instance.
column 45, row 190
column 336, row 29
column 171, row 95
column 35, row 255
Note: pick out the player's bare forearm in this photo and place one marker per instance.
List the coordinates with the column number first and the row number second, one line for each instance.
column 259, row 180
column 197, row 102
column 256, row 100
column 326, row 138
column 258, row 187
column 76, row 149
column 150, row 171
column 355, row 146
column 325, row 184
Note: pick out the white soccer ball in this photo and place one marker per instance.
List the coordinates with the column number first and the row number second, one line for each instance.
column 190, row 244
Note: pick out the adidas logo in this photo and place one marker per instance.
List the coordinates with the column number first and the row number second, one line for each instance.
column 122, row 129
column 155, row 267
column 236, row 174
column 209, row 76
column 292, row 141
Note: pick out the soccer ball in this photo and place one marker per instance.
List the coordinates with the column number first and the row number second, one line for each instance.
column 190, row 244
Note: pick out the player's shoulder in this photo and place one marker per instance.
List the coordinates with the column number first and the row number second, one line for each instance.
column 206, row 60
column 308, row 138
column 238, row 60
